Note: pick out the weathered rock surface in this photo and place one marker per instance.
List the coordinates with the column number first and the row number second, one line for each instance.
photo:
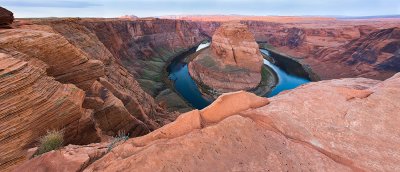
column 232, row 63
column 6, row 18
column 377, row 50
column 111, row 100
column 235, row 45
column 334, row 125
column 64, row 61
column 70, row 158
column 134, row 54
column 327, row 45
column 144, row 47
column 69, row 64
column 32, row 103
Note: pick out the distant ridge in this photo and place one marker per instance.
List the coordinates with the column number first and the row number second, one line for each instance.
column 232, row 17
column 369, row 17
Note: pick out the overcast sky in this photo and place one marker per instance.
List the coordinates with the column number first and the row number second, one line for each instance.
column 142, row 8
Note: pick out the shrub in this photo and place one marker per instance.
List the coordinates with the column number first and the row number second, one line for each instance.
column 51, row 141
column 120, row 137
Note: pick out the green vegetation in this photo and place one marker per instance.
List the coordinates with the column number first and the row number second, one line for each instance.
column 121, row 136
column 51, row 141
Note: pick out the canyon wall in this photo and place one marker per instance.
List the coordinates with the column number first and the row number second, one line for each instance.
column 63, row 74
column 144, row 47
column 329, row 46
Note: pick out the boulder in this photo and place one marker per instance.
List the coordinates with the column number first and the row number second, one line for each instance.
column 6, row 18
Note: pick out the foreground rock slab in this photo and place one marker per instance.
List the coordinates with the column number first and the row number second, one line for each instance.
column 336, row 125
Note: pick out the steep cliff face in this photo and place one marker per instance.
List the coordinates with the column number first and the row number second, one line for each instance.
column 335, row 125
column 320, row 43
column 48, row 52
column 379, row 48
column 375, row 54
column 43, row 58
column 32, row 103
column 144, row 47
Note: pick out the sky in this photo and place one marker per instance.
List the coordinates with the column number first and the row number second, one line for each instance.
column 146, row 8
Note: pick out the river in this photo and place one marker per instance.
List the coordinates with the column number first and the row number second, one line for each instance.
column 187, row 88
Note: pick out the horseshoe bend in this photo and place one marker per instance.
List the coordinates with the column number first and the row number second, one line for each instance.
column 197, row 92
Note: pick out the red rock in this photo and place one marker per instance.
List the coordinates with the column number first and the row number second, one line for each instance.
column 314, row 127
column 33, row 103
column 328, row 46
column 124, row 47
column 6, row 18
column 233, row 62
column 69, row 158
column 234, row 45
column 231, row 103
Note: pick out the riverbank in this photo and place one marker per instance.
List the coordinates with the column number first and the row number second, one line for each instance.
column 279, row 72
column 290, row 64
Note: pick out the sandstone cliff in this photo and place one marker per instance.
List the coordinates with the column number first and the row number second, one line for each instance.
column 33, row 103
column 335, row 125
column 144, row 47
column 105, row 97
column 313, row 42
column 232, row 63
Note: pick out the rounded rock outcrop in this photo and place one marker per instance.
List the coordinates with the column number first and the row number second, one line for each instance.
column 232, row 63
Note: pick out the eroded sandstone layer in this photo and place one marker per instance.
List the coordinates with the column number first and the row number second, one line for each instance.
column 232, row 63
column 58, row 74
column 335, row 125
column 332, row 48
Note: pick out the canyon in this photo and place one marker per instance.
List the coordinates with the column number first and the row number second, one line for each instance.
column 68, row 79
column 332, row 48
column 95, row 78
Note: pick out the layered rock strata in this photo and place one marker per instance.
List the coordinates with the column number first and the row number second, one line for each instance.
column 335, row 125
column 110, row 98
column 232, row 63
column 145, row 47
column 68, row 64
column 33, row 103
column 328, row 46
column 135, row 54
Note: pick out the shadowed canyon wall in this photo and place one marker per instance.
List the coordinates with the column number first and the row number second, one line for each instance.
column 104, row 60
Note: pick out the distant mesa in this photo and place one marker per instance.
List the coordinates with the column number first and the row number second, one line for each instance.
column 133, row 17
column 232, row 63
column 6, row 18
